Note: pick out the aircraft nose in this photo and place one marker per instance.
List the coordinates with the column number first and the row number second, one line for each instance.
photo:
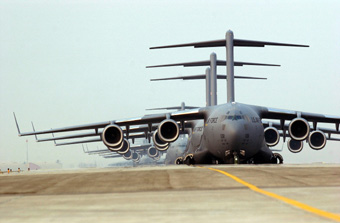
column 234, row 136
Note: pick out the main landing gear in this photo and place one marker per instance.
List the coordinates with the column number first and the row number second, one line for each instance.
column 278, row 159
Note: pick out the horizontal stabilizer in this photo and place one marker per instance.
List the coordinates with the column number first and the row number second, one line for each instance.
column 222, row 43
column 203, row 76
column 207, row 63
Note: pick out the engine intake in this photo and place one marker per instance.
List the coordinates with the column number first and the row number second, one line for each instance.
column 295, row 146
column 298, row 129
column 125, row 148
column 168, row 130
column 158, row 157
column 135, row 157
column 317, row 140
column 127, row 155
column 152, row 152
column 112, row 136
column 160, row 144
column 271, row 136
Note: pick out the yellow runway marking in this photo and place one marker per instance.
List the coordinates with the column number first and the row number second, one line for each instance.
column 292, row 202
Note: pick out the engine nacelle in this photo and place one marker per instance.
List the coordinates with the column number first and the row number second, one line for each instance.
column 153, row 152
column 168, row 130
column 271, row 136
column 135, row 157
column 125, row 148
column 317, row 140
column 127, row 155
column 112, row 136
column 295, row 146
column 298, row 129
column 160, row 145
column 157, row 158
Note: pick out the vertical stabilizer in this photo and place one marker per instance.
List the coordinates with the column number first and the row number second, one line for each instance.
column 207, row 87
column 213, row 79
column 230, row 66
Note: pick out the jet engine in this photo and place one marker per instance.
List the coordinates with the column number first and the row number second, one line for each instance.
column 298, row 129
column 168, row 130
column 112, row 136
column 317, row 140
column 135, row 157
column 153, row 152
column 125, row 148
column 160, row 144
column 271, row 136
column 295, row 146
column 157, row 158
column 127, row 155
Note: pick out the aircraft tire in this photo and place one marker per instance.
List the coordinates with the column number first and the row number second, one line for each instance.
column 278, row 159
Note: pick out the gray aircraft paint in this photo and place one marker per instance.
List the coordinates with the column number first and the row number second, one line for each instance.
column 229, row 36
column 207, row 87
column 233, row 119
column 213, row 79
column 232, row 128
column 176, row 149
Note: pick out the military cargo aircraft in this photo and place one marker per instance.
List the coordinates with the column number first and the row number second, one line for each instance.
column 232, row 132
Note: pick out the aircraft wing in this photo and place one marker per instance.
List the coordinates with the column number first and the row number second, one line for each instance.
column 146, row 120
column 184, row 115
column 282, row 114
column 279, row 126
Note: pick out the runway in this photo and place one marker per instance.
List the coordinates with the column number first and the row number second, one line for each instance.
column 171, row 194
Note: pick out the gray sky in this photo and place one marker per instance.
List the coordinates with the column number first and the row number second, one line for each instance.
column 66, row 63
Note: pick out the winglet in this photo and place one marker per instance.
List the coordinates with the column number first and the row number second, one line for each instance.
column 36, row 138
column 16, row 122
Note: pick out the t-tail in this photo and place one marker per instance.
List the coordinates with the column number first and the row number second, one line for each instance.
column 229, row 43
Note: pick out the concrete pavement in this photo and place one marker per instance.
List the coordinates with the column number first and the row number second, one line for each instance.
column 169, row 193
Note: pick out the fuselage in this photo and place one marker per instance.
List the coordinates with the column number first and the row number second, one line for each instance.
column 228, row 130
column 176, row 149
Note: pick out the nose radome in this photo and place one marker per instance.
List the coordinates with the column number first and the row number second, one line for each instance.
column 234, row 136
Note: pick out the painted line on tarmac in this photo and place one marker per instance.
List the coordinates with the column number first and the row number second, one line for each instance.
column 292, row 202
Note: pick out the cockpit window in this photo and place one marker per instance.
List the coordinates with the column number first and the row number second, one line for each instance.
column 235, row 117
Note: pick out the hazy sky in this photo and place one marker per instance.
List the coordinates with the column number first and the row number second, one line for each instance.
column 68, row 62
